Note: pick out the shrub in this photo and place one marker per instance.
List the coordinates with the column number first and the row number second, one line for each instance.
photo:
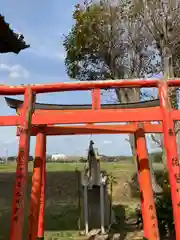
column 83, row 160
column 162, row 201
column 48, row 158
column 157, row 157
column 165, row 211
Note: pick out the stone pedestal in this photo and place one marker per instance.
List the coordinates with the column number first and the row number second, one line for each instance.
column 94, row 208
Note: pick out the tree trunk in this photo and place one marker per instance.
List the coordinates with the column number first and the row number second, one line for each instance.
column 133, row 95
column 169, row 73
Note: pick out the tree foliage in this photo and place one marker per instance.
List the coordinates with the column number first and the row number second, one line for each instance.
column 108, row 41
column 123, row 39
column 90, row 43
column 161, row 20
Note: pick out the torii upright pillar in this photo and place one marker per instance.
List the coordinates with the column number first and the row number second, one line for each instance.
column 17, row 219
column 149, row 216
column 37, row 190
column 173, row 163
column 40, row 231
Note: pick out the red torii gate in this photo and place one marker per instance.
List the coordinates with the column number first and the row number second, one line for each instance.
column 42, row 121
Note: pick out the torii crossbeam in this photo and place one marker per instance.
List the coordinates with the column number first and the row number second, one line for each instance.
column 42, row 120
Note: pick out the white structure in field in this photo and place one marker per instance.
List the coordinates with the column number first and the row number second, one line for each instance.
column 56, row 157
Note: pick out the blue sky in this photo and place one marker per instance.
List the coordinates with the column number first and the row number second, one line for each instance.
column 43, row 24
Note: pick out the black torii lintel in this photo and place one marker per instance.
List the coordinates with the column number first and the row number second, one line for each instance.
column 15, row 104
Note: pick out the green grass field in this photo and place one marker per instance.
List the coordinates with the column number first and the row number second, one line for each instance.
column 61, row 214
column 56, row 167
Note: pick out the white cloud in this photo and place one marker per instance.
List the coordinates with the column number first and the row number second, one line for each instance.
column 107, row 142
column 48, row 51
column 15, row 71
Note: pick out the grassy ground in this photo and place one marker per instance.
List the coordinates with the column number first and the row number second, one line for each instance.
column 61, row 215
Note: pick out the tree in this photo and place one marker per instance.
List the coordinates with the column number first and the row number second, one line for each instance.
column 161, row 20
column 107, row 42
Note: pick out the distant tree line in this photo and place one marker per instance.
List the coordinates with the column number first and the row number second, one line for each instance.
column 155, row 157
column 13, row 159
